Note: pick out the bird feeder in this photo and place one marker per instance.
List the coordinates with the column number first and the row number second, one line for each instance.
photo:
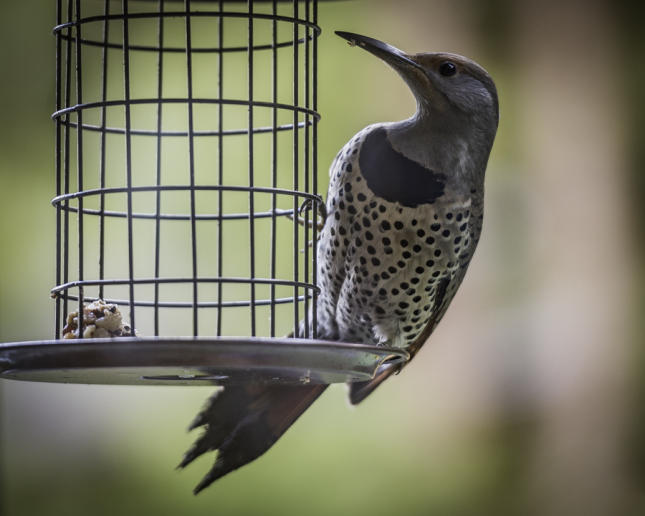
column 186, row 199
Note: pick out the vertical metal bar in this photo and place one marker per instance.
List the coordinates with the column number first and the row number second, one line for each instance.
column 104, row 80
column 220, row 162
column 251, row 171
column 79, row 164
column 191, row 162
column 66, row 164
column 274, row 155
column 306, row 168
column 59, row 172
column 314, row 170
column 128, row 155
column 296, row 158
column 160, row 38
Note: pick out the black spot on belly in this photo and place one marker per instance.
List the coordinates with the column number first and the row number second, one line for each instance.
column 396, row 178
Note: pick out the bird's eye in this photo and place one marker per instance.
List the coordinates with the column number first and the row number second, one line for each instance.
column 447, row 69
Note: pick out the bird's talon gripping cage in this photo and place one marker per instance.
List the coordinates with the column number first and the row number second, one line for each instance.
column 186, row 194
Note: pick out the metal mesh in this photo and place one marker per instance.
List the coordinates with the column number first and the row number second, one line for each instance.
column 185, row 144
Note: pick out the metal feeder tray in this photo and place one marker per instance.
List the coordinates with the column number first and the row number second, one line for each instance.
column 193, row 361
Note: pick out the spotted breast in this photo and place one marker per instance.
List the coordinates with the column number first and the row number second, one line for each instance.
column 395, row 245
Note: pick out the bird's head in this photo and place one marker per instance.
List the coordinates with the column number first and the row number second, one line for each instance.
column 448, row 85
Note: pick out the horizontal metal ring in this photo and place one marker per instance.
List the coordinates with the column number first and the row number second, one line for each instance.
column 160, row 281
column 151, row 132
column 182, row 50
column 182, row 14
column 225, row 102
column 188, row 304
column 172, row 216
column 316, row 198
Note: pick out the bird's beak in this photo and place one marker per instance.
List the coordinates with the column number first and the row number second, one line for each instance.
column 396, row 58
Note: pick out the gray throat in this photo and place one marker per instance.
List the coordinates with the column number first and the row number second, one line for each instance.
column 456, row 148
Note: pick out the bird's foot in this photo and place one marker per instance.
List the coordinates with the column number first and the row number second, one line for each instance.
column 306, row 206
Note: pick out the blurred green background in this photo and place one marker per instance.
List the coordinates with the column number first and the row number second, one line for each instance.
column 528, row 400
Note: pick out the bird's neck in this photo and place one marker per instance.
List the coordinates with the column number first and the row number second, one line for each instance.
column 442, row 144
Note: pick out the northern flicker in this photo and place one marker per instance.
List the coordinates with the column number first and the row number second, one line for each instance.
column 404, row 215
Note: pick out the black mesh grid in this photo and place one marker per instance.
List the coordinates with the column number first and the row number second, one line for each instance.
column 185, row 144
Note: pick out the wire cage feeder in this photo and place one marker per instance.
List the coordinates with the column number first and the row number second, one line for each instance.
column 186, row 195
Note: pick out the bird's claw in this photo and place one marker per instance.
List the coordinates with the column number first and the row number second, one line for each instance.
column 322, row 208
column 306, row 206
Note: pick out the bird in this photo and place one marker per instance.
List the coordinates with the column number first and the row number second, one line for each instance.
column 404, row 214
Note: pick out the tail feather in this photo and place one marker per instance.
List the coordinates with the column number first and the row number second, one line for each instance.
column 243, row 422
column 358, row 391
